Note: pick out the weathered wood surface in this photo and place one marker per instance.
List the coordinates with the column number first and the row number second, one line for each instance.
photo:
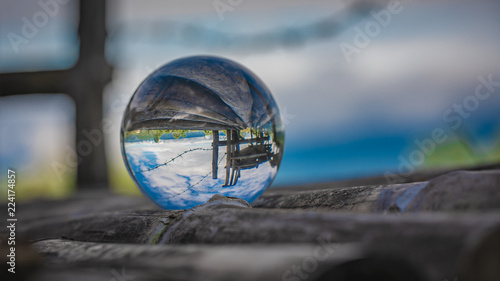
column 432, row 236
column 229, row 221
column 435, row 243
column 198, row 262
column 459, row 191
column 92, row 217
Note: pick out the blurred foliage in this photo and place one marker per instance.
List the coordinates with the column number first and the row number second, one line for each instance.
column 458, row 153
column 120, row 180
column 157, row 134
column 42, row 184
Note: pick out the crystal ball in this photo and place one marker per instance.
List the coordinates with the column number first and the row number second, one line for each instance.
column 200, row 126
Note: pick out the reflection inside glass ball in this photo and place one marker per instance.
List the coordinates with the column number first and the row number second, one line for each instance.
column 201, row 126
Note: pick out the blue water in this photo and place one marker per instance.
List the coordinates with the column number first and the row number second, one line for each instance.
column 306, row 163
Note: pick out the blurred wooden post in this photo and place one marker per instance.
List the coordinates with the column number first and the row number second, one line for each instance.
column 90, row 75
column 84, row 83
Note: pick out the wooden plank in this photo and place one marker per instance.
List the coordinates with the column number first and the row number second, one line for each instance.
column 440, row 244
column 458, row 191
column 198, row 262
column 81, row 204
column 38, row 82
column 124, row 226
column 436, row 243
column 250, row 140
column 103, row 213
column 221, row 219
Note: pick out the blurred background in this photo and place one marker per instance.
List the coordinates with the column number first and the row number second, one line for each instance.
column 366, row 88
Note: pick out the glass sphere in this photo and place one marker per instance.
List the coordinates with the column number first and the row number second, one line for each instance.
column 201, row 126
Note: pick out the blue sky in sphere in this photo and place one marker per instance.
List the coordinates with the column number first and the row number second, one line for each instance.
column 177, row 173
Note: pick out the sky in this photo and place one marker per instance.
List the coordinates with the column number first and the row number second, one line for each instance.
column 187, row 181
column 345, row 116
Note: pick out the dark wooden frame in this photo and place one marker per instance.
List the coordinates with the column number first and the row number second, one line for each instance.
column 84, row 83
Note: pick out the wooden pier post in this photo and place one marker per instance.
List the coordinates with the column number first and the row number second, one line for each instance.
column 228, row 155
column 215, row 153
